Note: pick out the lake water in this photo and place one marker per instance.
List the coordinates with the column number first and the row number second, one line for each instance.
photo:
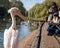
column 23, row 31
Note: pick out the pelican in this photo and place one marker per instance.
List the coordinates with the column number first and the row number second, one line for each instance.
column 24, row 26
column 11, row 34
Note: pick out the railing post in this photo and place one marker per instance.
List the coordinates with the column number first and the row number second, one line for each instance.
column 39, row 36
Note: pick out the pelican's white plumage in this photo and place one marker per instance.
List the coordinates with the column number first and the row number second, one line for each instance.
column 11, row 34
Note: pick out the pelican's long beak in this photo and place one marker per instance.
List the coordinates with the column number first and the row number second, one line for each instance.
column 22, row 16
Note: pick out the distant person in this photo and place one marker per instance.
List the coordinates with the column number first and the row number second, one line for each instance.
column 49, row 17
column 55, row 12
column 51, row 30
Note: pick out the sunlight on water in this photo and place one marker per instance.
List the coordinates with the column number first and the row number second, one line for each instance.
column 23, row 30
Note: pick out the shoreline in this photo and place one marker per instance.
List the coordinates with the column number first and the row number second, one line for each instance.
column 28, row 39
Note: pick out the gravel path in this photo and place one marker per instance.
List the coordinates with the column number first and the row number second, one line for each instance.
column 29, row 41
column 49, row 41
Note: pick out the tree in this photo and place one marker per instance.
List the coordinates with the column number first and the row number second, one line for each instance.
column 4, row 16
column 40, row 9
column 19, row 4
column 5, row 3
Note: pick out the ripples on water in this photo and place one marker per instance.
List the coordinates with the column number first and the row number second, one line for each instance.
column 23, row 31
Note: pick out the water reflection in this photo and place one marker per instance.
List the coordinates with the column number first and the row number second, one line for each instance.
column 24, row 30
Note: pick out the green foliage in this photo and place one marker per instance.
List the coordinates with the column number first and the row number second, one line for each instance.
column 19, row 4
column 4, row 19
column 5, row 3
column 40, row 10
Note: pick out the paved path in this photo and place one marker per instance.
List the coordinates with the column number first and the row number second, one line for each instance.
column 49, row 41
column 29, row 41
